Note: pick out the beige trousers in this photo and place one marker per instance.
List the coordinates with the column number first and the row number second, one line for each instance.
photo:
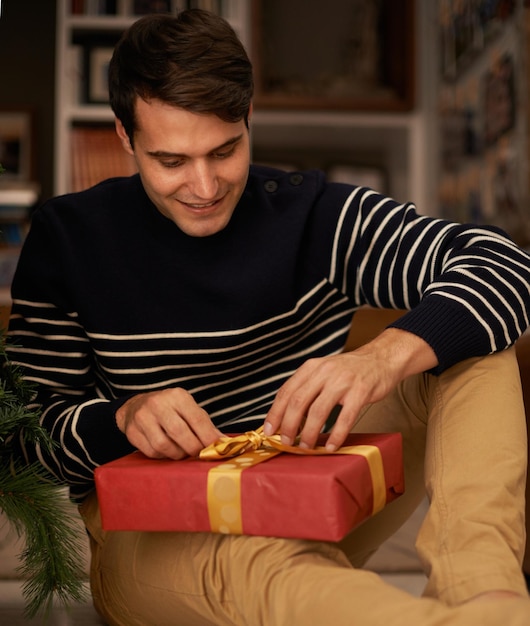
column 464, row 442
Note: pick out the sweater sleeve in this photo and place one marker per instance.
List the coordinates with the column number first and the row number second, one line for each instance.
column 47, row 340
column 466, row 287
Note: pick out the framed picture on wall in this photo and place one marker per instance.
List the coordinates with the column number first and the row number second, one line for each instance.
column 97, row 59
column 16, row 146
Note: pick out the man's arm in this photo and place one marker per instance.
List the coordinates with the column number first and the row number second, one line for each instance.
column 466, row 289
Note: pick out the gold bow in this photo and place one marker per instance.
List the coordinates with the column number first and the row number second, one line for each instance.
column 252, row 447
column 229, row 447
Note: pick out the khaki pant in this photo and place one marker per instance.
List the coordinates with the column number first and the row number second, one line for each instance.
column 471, row 460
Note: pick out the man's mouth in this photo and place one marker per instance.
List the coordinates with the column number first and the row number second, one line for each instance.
column 203, row 207
column 193, row 205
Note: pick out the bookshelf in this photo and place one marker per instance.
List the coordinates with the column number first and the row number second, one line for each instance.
column 394, row 140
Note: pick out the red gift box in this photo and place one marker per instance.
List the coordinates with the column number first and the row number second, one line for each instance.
column 287, row 495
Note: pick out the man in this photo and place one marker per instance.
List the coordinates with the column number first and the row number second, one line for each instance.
column 200, row 297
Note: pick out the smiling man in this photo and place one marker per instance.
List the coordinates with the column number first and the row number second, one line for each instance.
column 206, row 295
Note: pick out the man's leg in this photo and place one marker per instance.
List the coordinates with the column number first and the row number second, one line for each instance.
column 473, row 537
column 205, row 579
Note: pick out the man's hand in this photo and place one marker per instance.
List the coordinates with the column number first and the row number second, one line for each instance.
column 351, row 380
column 166, row 424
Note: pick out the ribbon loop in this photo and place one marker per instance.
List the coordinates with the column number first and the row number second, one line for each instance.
column 229, row 447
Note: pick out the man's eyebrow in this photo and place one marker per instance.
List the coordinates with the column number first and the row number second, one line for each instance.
column 164, row 154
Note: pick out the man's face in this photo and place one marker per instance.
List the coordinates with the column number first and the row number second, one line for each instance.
column 194, row 167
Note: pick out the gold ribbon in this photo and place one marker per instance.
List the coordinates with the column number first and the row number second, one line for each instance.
column 253, row 447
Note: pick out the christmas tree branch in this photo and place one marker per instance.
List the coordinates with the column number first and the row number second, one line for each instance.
column 37, row 508
column 50, row 563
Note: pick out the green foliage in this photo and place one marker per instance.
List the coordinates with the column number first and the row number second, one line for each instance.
column 50, row 562
column 36, row 507
column 15, row 394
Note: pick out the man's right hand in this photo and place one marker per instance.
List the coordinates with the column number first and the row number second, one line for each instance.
column 166, row 424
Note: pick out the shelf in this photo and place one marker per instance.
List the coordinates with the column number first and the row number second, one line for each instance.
column 360, row 57
column 331, row 137
column 331, row 119
column 89, row 113
column 99, row 22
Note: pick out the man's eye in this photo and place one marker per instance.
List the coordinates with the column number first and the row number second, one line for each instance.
column 224, row 154
column 170, row 163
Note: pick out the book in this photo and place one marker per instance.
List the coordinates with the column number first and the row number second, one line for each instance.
column 97, row 154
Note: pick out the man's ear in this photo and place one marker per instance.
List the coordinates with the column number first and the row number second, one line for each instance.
column 124, row 138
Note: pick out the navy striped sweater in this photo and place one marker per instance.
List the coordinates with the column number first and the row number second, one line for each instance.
column 111, row 299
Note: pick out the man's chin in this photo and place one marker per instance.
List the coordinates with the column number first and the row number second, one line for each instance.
column 202, row 228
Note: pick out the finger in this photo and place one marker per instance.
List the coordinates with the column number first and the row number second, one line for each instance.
column 338, row 400
column 163, row 448
column 336, row 386
column 341, row 429
column 317, row 416
column 290, row 405
column 294, row 414
column 349, row 412
column 178, row 432
column 153, row 442
column 175, row 441
column 312, row 402
column 189, row 425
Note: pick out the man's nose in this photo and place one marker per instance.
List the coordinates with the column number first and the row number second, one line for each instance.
column 203, row 183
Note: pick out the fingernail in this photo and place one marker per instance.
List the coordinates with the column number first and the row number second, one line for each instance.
column 286, row 441
column 303, row 445
column 330, row 447
column 267, row 429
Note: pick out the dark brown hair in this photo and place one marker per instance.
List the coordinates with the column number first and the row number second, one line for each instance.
column 194, row 61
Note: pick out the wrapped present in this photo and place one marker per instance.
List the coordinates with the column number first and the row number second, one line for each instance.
column 252, row 484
